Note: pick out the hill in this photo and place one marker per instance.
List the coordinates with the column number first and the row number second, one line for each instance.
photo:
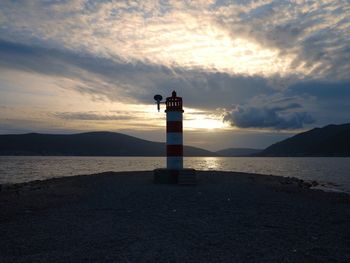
column 86, row 144
column 238, row 152
column 331, row 140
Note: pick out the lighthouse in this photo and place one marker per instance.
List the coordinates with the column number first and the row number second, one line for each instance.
column 174, row 138
column 174, row 172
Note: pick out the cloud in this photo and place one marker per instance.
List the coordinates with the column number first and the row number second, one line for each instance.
column 265, row 38
column 91, row 116
column 313, row 33
column 119, row 81
column 268, row 117
column 330, row 100
column 214, row 53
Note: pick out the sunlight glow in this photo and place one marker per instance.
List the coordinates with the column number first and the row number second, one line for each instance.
column 220, row 53
column 199, row 120
column 190, row 43
column 209, row 124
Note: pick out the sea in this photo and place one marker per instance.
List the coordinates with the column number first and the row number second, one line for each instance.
column 332, row 172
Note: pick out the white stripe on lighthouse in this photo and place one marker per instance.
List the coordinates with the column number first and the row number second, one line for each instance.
column 174, row 162
column 174, row 116
column 174, row 138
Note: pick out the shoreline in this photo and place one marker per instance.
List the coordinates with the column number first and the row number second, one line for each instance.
column 328, row 187
column 125, row 217
column 332, row 173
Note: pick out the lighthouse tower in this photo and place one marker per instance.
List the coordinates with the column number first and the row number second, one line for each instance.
column 174, row 139
column 174, row 172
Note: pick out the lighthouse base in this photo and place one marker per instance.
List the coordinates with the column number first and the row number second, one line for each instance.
column 168, row 176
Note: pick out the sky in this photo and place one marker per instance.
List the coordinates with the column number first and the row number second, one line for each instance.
column 251, row 73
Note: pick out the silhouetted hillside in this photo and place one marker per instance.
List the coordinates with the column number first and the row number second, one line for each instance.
column 331, row 140
column 86, row 144
column 238, row 152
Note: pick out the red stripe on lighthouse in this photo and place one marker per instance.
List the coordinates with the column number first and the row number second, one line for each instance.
column 174, row 126
column 174, row 150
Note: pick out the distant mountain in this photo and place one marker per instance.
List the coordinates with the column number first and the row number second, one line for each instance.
column 238, row 152
column 331, row 140
column 86, row 144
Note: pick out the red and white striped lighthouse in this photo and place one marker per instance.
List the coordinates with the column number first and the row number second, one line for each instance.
column 174, row 139
column 174, row 173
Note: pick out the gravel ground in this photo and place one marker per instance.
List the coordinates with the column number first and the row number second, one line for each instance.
column 124, row 217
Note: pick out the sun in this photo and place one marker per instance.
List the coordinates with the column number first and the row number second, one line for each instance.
column 204, row 123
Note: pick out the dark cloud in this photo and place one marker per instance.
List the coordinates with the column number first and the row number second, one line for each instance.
column 315, row 34
column 331, row 100
column 323, row 89
column 265, row 117
column 119, row 81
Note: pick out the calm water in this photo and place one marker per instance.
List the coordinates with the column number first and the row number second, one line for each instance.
column 14, row 169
